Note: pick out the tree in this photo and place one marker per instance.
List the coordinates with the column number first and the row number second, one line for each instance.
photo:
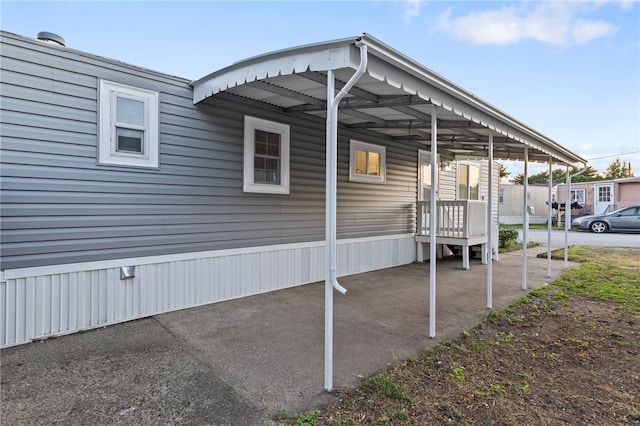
column 559, row 175
column 589, row 176
column 616, row 170
column 504, row 173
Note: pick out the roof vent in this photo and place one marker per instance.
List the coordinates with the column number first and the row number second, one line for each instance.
column 50, row 38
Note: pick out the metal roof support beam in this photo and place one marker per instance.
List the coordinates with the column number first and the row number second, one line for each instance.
column 383, row 101
column 321, row 78
column 432, row 223
column 330, row 249
column 282, row 91
column 525, row 217
column 489, row 246
column 363, row 116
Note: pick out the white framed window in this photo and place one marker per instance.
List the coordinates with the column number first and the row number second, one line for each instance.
column 578, row 196
column 266, row 156
column 128, row 126
column 367, row 162
column 468, row 181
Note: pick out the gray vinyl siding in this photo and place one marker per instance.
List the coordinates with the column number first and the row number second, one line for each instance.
column 59, row 206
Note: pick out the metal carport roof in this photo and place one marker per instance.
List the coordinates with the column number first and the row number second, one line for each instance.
column 382, row 91
column 392, row 98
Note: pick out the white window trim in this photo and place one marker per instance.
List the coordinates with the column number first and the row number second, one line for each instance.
column 470, row 164
column 251, row 124
column 354, row 146
column 107, row 153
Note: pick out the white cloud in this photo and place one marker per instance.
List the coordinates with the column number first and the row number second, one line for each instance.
column 411, row 9
column 585, row 31
column 558, row 23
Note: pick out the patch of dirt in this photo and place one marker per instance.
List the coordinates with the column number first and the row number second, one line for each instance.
column 551, row 360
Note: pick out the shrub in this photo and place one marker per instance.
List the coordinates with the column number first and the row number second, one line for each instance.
column 507, row 236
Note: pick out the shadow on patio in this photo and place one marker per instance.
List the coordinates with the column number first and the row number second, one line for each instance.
column 271, row 346
column 236, row 362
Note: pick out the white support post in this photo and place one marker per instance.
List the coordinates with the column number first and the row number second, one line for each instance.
column 489, row 245
column 331, row 190
column 525, row 218
column 433, row 223
column 549, row 218
column 567, row 218
column 331, row 169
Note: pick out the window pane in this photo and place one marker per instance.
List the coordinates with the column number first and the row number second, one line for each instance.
column 273, row 148
column 426, row 174
column 266, row 170
column 261, row 148
column 266, row 160
column 361, row 162
column 129, row 111
column 129, row 140
column 260, row 136
column 267, row 143
column 463, row 178
column 273, row 138
column 374, row 164
column 474, row 183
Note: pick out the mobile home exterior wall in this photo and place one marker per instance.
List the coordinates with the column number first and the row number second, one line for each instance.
column 69, row 224
column 511, row 203
column 625, row 192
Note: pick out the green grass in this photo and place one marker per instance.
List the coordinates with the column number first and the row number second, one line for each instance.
column 513, row 246
column 308, row 419
column 603, row 273
column 385, row 384
column 531, row 226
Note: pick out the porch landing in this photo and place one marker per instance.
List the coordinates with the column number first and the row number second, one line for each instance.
column 235, row 362
column 464, row 243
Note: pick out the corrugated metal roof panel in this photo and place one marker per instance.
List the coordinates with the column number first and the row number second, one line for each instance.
column 394, row 91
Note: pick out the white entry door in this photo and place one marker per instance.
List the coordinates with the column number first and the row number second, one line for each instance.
column 603, row 198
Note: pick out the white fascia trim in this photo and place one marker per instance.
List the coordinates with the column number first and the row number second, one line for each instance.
column 9, row 274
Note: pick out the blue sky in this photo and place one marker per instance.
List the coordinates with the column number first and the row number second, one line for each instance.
column 569, row 69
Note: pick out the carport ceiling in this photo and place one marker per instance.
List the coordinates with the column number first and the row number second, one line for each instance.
column 393, row 99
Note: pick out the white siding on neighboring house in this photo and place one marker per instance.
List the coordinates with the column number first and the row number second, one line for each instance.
column 510, row 209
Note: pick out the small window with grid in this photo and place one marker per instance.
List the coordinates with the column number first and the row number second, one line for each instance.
column 266, row 156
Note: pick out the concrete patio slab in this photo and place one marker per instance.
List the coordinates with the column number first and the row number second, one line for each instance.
column 236, row 362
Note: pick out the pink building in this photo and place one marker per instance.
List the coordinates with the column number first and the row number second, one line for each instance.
column 601, row 196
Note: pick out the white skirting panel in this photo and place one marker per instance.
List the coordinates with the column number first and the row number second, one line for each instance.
column 40, row 302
